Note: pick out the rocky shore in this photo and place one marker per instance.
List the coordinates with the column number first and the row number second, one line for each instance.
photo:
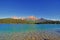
column 30, row 36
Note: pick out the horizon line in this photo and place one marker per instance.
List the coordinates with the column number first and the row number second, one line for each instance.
column 55, row 19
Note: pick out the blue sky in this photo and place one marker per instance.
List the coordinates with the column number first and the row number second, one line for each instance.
column 40, row 8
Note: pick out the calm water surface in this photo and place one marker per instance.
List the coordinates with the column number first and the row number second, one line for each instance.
column 29, row 31
column 29, row 27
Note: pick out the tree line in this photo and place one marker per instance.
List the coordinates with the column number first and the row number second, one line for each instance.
column 19, row 21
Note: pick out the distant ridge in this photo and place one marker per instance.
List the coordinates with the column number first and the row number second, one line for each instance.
column 28, row 21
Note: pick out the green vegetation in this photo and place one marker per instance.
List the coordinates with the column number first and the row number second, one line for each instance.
column 19, row 21
column 15, row 21
column 48, row 22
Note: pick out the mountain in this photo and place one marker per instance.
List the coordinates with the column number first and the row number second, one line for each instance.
column 45, row 21
column 41, row 20
column 27, row 21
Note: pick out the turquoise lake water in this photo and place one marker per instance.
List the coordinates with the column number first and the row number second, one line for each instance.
column 28, row 27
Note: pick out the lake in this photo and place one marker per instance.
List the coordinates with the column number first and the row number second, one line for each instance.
column 29, row 29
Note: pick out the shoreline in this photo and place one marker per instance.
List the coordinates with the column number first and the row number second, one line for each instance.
column 30, row 36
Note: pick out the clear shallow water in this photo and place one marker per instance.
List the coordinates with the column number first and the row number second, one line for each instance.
column 28, row 27
column 29, row 31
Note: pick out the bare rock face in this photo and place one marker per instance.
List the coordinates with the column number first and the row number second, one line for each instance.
column 32, row 18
